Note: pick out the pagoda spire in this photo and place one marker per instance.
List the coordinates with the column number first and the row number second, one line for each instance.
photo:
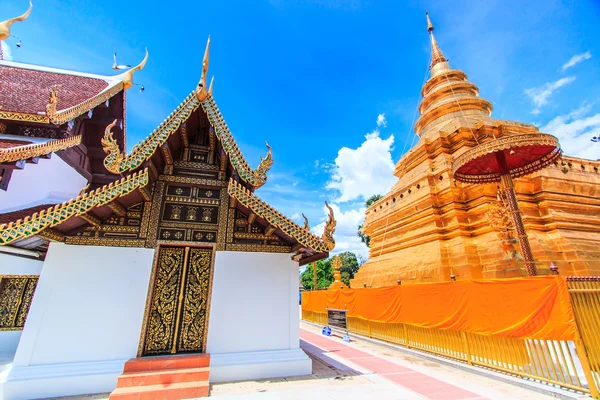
column 437, row 57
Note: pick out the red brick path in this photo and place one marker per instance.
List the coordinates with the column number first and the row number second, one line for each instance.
column 407, row 378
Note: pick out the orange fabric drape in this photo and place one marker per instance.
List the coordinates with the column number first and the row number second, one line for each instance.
column 537, row 308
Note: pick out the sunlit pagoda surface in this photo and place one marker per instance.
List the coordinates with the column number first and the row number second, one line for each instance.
column 431, row 227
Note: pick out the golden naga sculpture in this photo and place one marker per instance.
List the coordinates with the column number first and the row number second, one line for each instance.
column 60, row 117
column 260, row 173
column 127, row 77
column 114, row 157
column 5, row 25
column 201, row 92
column 329, row 229
column 306, row 225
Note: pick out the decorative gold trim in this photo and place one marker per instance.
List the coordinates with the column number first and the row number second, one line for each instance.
column 51, row 235
column 118, row 163
column 24, row 117
column 258, row 248
column 34, row 224
column 94, row 241
column 66, row 115
column 256, row 178
column 27, row 151
column 289, row 227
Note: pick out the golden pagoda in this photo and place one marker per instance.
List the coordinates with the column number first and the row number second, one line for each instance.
column 431, row 227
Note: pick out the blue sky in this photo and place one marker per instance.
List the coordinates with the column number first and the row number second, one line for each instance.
column 314, row 78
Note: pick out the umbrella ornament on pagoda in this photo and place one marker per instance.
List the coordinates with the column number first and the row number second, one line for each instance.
column 501, row 160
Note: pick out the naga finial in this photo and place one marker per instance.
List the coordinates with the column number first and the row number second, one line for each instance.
column 201, row 92
column 260, row 173
column 127, row 77
column 51, row 106
column 329, row 229
column 5, row 25
column 114, row 157
column 306, row 225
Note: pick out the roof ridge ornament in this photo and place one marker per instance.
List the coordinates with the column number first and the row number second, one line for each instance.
column 306, row 225
column 260, row 173
column 329, row 229
column 437, row 56
column 201, row 92
column 114, row 157
column 5, row 25
column 127, row 77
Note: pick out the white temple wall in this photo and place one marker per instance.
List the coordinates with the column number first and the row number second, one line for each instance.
column 84, row 322
column 50, row 181
column 15, row 265
column 254, row 318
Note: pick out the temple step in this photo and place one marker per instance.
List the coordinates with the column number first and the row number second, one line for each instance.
column 170, row 377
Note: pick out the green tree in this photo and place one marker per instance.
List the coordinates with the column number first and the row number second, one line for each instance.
column 324, row 275
column 364, row 238
column 349, row 267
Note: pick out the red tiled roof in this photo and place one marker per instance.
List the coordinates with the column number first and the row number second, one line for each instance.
column 20, row 214
column 27, row 91
column 8, row 143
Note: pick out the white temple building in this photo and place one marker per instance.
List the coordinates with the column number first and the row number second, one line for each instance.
column 117, row 268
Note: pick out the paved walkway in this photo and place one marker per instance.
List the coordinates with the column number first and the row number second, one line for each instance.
column 421, row 384
column 365, row 370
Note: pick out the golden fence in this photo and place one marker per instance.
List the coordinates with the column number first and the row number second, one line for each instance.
column 572, row 364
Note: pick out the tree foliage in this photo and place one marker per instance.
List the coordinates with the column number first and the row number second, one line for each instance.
column 350, row 265
column 364, row 238
column 324, row 275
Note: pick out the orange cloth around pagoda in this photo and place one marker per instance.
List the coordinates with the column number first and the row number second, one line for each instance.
column 537, row 308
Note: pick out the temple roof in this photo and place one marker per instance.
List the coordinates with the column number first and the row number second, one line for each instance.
column 303, row 235
column 25, row 223
column 25, row 89
column 119, row 163
column 16, row 150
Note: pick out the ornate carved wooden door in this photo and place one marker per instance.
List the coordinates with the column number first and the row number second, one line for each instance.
column 178, row 311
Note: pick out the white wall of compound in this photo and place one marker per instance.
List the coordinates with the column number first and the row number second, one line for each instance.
column 254, row 317
column 84, row 321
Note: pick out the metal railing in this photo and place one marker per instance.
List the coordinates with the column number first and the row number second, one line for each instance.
column 573, row 365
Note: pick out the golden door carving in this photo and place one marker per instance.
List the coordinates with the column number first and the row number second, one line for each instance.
column 177, row 315
column 16, row 294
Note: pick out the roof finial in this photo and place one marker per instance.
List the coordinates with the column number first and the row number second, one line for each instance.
column 437, row 57
column 429, row 24
column 127, row 77
column 201, row 91
column 5, row 25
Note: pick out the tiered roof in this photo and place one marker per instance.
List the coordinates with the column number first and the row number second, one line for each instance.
column 140, row 166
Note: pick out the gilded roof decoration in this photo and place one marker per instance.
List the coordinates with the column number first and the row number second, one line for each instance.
column 118, row 163
column 36, row 223
column 37, row 149
column 62, row 116
column 280, row 221
column 5, row 25
column 256, row 178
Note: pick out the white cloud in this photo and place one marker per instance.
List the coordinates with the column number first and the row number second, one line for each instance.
column 6, row 52
column 576, row 59
column 574, row 130
column 346, row 233
column 381, row 121
column 539, row 95
column 365, row 171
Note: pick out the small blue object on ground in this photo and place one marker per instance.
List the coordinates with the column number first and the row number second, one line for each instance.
column 346, row 338
column 326, row 331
